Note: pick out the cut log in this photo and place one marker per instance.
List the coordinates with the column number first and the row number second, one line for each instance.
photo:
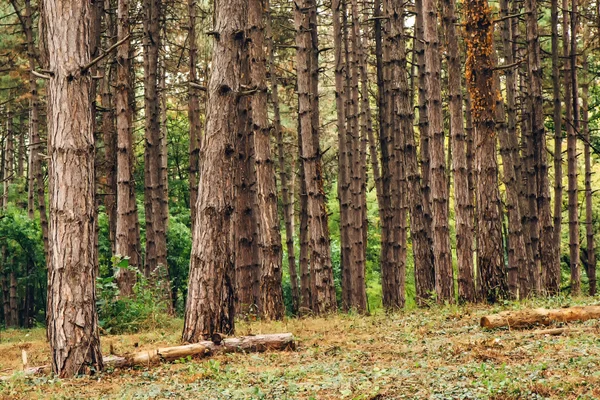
column 244, row 344
column 539, row 316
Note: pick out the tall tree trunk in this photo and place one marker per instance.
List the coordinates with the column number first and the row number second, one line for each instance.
column 193, row 110
column 210, row 300
column 304, row 255
column 343, row 181
column 589, row 221
column 479, row 72
column 322, row 286
column 463, row 203
column 286, row 197
column 153, row 168
column 572, row 158
column 439, row 186
column 72, row 318
column 127, row 225
column 109, row 129
column 358, row 245
column 269, row 236
column 547, row 247
column 552, row 282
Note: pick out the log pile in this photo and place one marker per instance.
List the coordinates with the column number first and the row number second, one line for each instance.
column 244, row 344
column 539, row 316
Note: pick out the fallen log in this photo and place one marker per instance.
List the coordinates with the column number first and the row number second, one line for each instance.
column 244, row 344
column 539, row 316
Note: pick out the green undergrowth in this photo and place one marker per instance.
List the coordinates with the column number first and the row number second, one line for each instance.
column 435, row 353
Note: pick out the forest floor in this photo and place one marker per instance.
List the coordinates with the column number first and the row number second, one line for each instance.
column 437, row 353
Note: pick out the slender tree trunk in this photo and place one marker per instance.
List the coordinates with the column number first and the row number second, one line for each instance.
column 286, row 198
column 572, row 159
column 210, row 300
column 552, row 282
column 153, row 165
column 547, row 252
column 439, row 186
column 193, row 110
column 246, row 234
column 322, row 286
column 463, row 203
column 72, row 319
column 589, row 221
column 343, row 181
column 304, row 260
column 269, row 236
column 109, row 130
column 127, row 224
column 479, row 72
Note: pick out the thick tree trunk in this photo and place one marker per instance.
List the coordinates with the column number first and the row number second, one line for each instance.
column 539, row 316
column 193, row 110
column 463, row 203
column 127, row 226
column 72, row 318
column 480, row 71
column 444, row 281
column 321, row 273
column 589, row 220
column 269, row 236
column 210, row 301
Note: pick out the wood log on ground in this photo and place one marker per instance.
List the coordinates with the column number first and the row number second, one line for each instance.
column 244, row 344
column 539, row 316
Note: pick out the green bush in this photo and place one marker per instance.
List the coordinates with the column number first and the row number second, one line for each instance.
column 142, row 311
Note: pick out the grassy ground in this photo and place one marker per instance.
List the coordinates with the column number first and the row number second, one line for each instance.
column 439, row 353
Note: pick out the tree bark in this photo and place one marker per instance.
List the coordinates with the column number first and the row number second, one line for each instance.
column 127, row 226
column 444, row 281
column 210, row 301
column 552, row 282
column 539, row 316
column 480, row 75
column 286, row 198
column 269, row 236
column 463, row 203
column 321, row 273
column 193, row 111
column 72, row 318
column 572, row 159
column 589, row 220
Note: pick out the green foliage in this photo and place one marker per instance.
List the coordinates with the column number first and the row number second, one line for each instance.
column 143, row 310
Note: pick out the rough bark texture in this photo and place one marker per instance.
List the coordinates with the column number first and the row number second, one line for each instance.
column 490, row 263
column 539, row 316
column 552, row 282
column 321, row 273
column 444, row 281
column 269, row 237
column 572, row 159
column 193, row 109
column 156, row 234
column 463, row 203
column 72, row 320
column 589, row 221
column 127, row 225
column 285, row 185
column 210, row 301
column 548, row 253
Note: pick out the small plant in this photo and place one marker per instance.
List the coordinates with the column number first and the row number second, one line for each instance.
column 118, row 314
